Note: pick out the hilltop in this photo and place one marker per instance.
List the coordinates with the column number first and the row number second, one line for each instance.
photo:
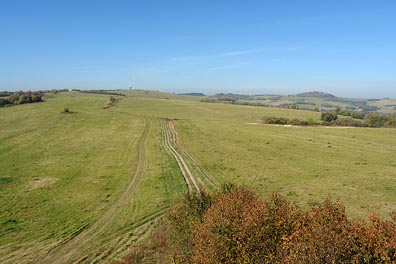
column 316, row 94
column 318, row 101
column 194, row 94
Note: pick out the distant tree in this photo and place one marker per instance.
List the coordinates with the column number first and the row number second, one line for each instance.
column 18, row 98
column 21, row 99
column 358, row 115
column 329, row 116
column 4, row 102
column 276, row 120
column 375, row 120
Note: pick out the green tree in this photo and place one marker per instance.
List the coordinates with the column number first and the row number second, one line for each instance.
column 329, row 116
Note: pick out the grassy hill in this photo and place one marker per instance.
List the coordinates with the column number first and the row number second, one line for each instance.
column 310, row 100
column 62, row 174
column 315, row 94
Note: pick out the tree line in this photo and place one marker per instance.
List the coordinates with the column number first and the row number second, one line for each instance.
column 107, row 92
column 332, row 118
column 20, row 97
column 360, row 119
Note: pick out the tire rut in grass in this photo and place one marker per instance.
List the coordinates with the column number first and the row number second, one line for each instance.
column 171, row 143
column 191, row 159
column 70, row 249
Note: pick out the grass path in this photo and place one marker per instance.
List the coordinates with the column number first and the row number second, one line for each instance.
column 188, row 165
column 71, row 248
column 169, row 137
column 77, row 249
column 125, row 238
column 196, row 165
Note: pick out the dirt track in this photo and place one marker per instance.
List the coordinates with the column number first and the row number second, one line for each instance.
column 193, row 161
column 170, row 140
column 64, row 253
column 77, row 249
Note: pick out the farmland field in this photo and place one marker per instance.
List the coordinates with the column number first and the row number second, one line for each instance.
column 85, row 185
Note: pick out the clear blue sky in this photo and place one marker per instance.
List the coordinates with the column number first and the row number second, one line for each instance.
column 343, row 47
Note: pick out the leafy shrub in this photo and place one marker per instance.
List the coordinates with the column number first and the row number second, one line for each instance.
column 376, row 120
column 329, row 116
column 4, row 102
column 350, row 122
column 375, row 241
column 320, row 235
column 276, row 120
column 286, row 121
column 241, row 228
column 18, row 98
column 234, row 225
column 111, row 102
column 353, row 114
column 181, row 220
column 109, row 92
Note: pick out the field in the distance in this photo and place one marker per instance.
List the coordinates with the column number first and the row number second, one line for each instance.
column 355, row 165
column 311, row 101
column 60, row 173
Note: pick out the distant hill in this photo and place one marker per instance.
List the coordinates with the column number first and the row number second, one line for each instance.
column 232, row 95
column 315, row 94
column 194, row 94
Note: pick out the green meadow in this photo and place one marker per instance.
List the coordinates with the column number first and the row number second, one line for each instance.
column 63, row 174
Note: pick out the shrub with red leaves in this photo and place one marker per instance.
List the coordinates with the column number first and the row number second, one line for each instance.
column 235, row 226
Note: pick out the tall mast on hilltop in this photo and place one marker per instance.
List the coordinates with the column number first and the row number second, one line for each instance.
column 130, row 84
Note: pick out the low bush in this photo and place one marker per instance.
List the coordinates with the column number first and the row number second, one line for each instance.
column 350, row 122
column 329, row 116
column 111, row 102
column 286, row 121
column 18, row 98
column 236, row 226
column 276, row 120
column 109, row 92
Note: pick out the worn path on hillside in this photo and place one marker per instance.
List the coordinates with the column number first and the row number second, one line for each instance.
column 77, row 250
column 170, row 138
column 124, row 238
column 70, row 249
column 196, row 165
column 129, row 235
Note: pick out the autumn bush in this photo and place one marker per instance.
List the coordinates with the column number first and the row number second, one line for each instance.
column 18, row 98
column 241, row 228
column 182, row 219
column 234, row 225
column 321, row 234
column 375, row 240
